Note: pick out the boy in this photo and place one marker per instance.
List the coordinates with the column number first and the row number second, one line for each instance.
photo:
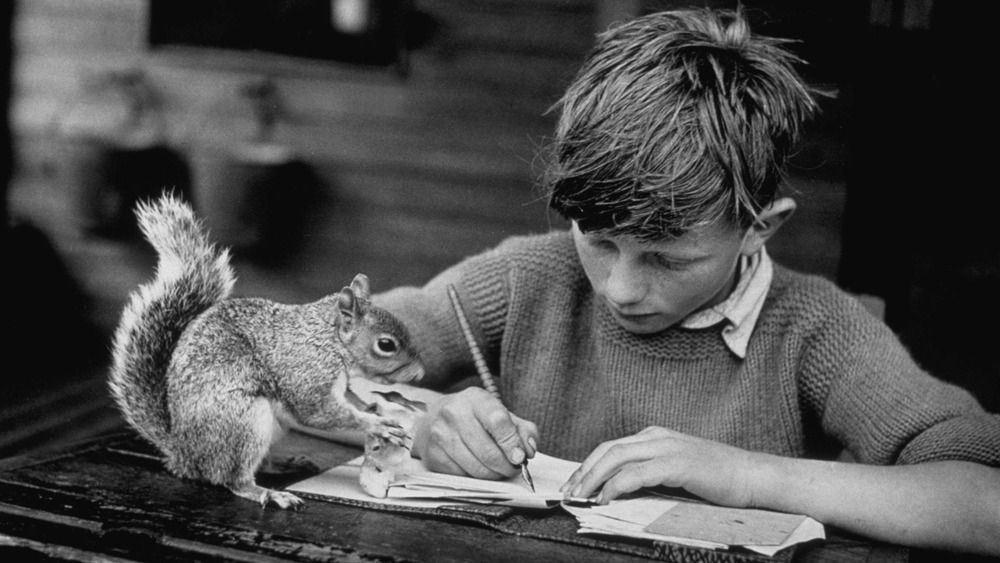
column 657, row 342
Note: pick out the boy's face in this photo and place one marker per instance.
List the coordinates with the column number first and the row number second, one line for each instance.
column 649, row 287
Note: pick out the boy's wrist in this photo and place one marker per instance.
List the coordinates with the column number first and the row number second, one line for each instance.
column 768, row 480
column 790, row 484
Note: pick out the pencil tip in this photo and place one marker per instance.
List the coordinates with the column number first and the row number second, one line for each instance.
column 527, row 476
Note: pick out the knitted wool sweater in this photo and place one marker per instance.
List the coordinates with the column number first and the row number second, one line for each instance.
column 821, row 374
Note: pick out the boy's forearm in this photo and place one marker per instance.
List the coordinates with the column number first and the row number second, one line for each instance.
column 949, row 505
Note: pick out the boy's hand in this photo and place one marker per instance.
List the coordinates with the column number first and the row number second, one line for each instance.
column 657, row 456
column 471, row 433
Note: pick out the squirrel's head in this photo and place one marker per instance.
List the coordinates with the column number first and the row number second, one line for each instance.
column 378, row 342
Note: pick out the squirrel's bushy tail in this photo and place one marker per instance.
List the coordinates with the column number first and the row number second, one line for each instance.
column 191, row 275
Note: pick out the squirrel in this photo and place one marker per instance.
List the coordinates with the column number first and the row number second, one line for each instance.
column 212, row 380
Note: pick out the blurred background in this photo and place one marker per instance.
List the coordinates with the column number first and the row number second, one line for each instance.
column 322, row 138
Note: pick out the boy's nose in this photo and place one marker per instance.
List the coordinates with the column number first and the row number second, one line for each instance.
column 623, row 285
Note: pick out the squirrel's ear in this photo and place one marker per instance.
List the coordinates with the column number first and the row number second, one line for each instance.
column 361, row 286
column 348, row 304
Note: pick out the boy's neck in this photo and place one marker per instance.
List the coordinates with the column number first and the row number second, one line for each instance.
column 729, row 288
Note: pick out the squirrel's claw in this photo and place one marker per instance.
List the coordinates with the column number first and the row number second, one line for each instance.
column 282, row 499
column 401, row 439
column 391, row 431
column 263, row 496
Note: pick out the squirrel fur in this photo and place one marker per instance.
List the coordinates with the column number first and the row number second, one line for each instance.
column 211, row 380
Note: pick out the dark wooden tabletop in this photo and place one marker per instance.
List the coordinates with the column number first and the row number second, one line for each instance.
column 112, row 500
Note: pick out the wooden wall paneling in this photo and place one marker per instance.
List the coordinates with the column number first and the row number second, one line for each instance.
column 112, row 26
column 517, row 203
column 416, row 174
column 512, row 26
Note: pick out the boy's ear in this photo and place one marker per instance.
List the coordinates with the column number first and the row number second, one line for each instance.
column 769, row 221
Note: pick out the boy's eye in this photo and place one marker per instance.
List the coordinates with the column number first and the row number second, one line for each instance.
column 669, row 263
column 602, row 244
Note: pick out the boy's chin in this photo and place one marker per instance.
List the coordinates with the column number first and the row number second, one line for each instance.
column 644, row 331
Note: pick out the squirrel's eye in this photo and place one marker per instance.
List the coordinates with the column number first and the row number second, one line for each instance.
column 386, row 346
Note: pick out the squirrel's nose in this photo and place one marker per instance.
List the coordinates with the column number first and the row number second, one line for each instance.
column 409, row 372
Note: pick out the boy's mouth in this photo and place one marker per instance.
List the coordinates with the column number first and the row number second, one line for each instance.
column 635, row 315
column 639, row 322
column 632, row 317
column 628, row 320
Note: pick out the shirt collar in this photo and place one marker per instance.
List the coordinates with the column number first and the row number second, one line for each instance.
column 739, row 311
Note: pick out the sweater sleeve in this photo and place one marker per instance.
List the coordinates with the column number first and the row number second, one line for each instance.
column 874, row 398
column 428, row 315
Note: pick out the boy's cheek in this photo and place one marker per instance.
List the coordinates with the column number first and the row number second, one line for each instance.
column 596, row 271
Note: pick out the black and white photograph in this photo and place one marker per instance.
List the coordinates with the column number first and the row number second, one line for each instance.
column 446, row 281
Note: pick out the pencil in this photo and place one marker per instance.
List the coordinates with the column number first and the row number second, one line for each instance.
column 484, row 371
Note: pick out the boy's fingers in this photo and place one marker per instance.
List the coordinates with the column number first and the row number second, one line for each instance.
column 572, row 484
column 605, row 463
column 451, row 439
column 631, row 477
column 605, row 468
column 461, row 443
column 438, row 460
column 491, row 461
column 528, row 433
column 458, row 459
column 598, row 454
column 497, row 421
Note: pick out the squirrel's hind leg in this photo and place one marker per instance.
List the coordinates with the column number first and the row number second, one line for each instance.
column 259, row 435
column 225, row 444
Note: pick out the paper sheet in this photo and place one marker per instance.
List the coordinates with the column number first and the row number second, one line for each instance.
column 730, row 526
column 415, row 485
column 705, row 523
column 628, row 518
column 343, row 482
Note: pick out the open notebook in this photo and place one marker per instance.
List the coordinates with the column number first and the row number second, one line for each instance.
column 417, row 486
column 647, row 516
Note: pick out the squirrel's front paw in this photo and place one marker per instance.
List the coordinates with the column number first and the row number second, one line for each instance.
column 391, row 431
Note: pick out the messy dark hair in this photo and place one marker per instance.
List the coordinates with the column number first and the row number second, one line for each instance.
column 676, row 120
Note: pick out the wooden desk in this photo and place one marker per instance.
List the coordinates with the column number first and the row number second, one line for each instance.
column 111, row 500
